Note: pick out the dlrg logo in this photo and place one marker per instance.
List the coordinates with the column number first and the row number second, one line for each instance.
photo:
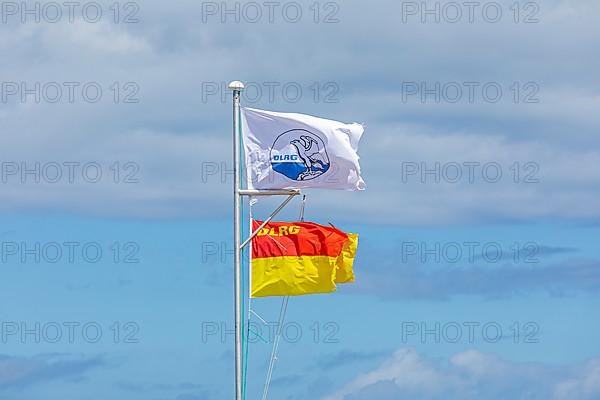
column 285, row 157
column 299, row 155
column 281, row 231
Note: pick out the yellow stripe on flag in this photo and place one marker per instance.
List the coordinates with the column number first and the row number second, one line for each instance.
column 293, row 275
column 344, row 264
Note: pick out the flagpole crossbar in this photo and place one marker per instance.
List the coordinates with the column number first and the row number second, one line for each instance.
column 274, row 192
column 266, row 221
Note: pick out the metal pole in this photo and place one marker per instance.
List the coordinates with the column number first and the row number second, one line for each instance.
column 270, row 192
column 265, row 222
column 237, row 87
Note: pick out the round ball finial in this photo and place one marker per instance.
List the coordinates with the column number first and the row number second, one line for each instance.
column 236, row 85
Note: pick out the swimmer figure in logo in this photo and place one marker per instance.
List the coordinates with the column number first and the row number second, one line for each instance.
column 309, row 152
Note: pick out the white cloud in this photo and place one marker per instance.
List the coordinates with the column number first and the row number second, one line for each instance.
column 99, row 39
column 471, row 375
column 586, row 385
column 405, row 369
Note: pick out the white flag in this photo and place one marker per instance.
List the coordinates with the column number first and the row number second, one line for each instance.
column 294, row 151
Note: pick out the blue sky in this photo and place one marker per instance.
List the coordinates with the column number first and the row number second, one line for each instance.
column 125, row 252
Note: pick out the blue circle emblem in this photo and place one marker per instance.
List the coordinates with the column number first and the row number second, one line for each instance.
column 300, row 155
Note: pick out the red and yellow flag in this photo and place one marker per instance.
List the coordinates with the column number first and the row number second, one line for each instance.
column 297, row 258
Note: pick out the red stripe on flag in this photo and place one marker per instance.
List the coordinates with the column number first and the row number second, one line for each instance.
column 278, row 239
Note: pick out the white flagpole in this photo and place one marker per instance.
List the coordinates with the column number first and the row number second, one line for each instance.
column 237, row 88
